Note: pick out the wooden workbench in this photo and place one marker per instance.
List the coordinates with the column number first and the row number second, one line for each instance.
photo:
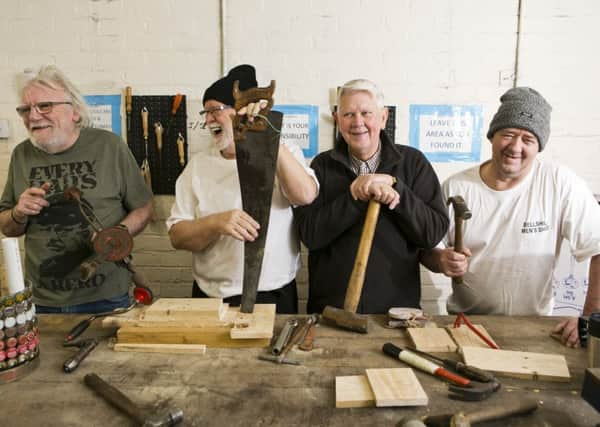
column 231, row 387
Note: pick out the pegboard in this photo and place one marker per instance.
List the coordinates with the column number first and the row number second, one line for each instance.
column 165, row 168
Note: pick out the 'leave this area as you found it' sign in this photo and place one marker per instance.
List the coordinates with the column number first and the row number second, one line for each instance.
column 300, row 125
column 447, row 133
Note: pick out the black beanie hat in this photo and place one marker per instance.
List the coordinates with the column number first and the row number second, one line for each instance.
column 222, row 89
column 523, row 108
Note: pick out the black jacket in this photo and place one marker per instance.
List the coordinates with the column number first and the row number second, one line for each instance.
column 331, row 226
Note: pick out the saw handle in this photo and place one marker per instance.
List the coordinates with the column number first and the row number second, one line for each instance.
column 357, row 278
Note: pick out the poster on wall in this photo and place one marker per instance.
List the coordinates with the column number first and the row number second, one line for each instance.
column 447, row 133
column 105, row 112
column 301, row 125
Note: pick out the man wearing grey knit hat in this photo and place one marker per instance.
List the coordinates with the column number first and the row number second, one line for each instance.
column 522, row 209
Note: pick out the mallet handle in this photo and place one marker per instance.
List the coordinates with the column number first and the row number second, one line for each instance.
column 357, row 278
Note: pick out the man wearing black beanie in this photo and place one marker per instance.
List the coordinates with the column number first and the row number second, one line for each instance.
column 522, row 210
column 207, row 217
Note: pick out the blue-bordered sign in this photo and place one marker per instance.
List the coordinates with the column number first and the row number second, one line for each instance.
column 447, row 133
column 301, row 125
column 105, row 111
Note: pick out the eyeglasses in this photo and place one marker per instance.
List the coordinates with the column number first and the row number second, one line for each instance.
column 213, row 110
column 40, row 107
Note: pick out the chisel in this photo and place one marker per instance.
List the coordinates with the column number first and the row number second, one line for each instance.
column 128, row 106
column 181, row 149
column 176, row 103
column 145, row 165
column 158, row 130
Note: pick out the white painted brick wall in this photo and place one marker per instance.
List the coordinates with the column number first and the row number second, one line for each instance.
column 427, row 51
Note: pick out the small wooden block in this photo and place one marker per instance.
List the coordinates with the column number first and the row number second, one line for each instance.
column 353, row 392
column 396, row 387
column 518, row 364
column 432, row 340
column 464, row 337
column 162, row 348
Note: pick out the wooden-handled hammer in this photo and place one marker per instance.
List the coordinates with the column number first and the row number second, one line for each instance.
column 461, row 213
column 347, row 318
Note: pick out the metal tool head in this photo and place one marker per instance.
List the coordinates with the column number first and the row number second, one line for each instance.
column 346, row 320
column 460, row 207
column 476, row 391
column 173, row 417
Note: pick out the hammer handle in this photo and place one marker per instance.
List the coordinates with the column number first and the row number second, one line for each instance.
column 458, row 243
column 357, row 278
column 520, row 407
column 114, row 397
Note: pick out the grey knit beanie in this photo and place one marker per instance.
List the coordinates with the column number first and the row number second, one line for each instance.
column 523, row 108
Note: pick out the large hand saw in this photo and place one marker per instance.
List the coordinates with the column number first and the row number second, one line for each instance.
column 256, row 147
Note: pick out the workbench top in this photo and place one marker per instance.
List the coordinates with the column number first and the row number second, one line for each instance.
column 231, row 387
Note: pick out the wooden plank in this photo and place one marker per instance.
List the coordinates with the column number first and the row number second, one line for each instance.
column 258, row 324
column 434, row 340
column 518, row 364
column 184, row 310
column 353, row 391
column 211, row 336
column 162, row 348
column 396, row 387
column 465, row 337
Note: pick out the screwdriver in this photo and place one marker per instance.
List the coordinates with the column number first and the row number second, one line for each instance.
column 128, row 106
column 176, row 103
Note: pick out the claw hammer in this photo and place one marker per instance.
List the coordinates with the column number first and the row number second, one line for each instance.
column 461, row 214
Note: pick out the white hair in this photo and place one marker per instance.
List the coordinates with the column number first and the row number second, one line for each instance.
column 361, row 85
column 51, row 77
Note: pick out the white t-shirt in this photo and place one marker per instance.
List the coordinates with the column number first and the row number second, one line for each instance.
column 515, row 238
column 210, row 184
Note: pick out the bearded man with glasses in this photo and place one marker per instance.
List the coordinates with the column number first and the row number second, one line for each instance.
column 63, row 151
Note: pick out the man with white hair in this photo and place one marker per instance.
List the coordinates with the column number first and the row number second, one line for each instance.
column 365, row 165
column 63, row 151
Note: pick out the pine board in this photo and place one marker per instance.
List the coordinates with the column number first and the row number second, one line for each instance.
column 162, row 348
column 396, row 387
column 464, row 337
column 518, row 364
column 432, row 340
column 184, row 310
column 353, row 391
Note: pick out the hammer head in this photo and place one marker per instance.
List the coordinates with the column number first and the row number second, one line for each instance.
column 172, row 418
column 346, row 320
column 460, row 207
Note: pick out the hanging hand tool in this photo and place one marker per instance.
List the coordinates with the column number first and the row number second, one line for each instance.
column 128, row 107
column 181, row 149
column 158, row 130
column 176, row 103
column 85, row 347
column 256, row 148
column 460, row 387
column 145, row 168
column 460, row 419
column 347, row 318
column 113, row 396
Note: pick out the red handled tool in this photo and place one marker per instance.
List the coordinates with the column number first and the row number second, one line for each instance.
column 176, row 103
column 462, row 318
